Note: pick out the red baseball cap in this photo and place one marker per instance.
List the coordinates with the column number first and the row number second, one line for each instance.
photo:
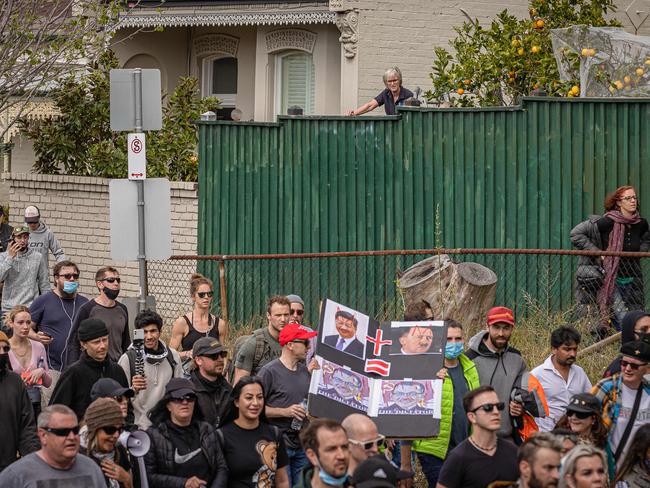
column 293, row 332
column 500, row 314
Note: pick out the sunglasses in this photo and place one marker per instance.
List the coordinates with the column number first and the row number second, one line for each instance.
column 214, row 357
column 633, row 366
column 580, row 415
column 297, row 312
column 489, row 407
column 119, row 399
column 63, row 431
column 5, row 349
column 184, row 398
column 111, row 429
column 304, row 342
column 379, row 441
column 111, row 280
column 203, row 294
column 69, row 276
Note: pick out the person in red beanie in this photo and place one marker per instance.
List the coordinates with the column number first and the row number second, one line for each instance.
column 499, row 364
column 286, row 385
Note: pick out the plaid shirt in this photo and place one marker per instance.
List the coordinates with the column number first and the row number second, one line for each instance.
column 608, row 391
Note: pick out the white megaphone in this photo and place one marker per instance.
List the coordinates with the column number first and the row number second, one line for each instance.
column 137, row 443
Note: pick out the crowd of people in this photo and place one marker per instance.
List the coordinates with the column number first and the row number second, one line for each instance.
column 75, row 389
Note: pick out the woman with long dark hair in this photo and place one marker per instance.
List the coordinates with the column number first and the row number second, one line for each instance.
column 634, row 471
column 104, row 423
column 254, row 450
column 618, row 281
column 184, row 450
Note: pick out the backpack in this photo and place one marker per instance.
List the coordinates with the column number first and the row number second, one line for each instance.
column 130, row 353
column 229, row 373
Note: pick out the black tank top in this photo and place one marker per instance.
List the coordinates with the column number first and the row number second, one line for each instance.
column 194, row 335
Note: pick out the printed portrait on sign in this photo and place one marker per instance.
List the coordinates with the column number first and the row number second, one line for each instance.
column 345, row 329
column 411, row 338
column 406, row 397
column 344, row 386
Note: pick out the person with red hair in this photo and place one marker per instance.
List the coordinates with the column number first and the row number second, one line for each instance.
column 618, row 280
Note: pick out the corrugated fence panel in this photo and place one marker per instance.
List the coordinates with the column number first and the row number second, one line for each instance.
column 518, row 177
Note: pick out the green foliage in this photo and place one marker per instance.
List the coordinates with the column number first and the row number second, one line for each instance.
column 80, row 142
column 497, row 65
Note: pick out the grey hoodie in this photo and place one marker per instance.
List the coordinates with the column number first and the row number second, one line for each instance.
column 25, row 278
column 502, row 371
column 42, row 239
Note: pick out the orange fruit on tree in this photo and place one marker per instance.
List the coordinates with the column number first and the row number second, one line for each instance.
column 460, row 91
column 467, row 82
column 640, row 71
column 539, row 24
column 521, row 51
column 515, row 43
column 535, row 49
column 627, row 80
column 618, row 84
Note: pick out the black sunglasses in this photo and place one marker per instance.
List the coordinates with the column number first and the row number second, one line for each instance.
column 63, row 431
column 304, row 342
column 69, row 276
column 111, row 280
column 184, row 398
column 6, row 348
column 222, row 354
column 111, row 429
column 297, row 312
column 633, row 366
column 580, row 415
column 203, row 294
column 119, row 399
column 489, row 407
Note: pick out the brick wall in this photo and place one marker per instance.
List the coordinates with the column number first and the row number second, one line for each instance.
column 76, row 209
column 399, row 33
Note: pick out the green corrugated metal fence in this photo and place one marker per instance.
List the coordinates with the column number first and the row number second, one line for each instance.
column 517, row 177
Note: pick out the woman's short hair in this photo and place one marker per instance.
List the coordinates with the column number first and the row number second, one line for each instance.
column 393, row 71
column 570, row 461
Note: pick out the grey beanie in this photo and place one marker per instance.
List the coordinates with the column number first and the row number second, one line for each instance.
column 295, row 299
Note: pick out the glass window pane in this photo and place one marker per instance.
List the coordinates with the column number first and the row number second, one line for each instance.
column 224, row 75
column 298, row 75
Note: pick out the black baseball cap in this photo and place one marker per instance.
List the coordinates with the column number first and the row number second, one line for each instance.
column 108, row 387
column 378, row 472
column 584, row 403
column 637, row 349
column 179, row 387
column 206, row 346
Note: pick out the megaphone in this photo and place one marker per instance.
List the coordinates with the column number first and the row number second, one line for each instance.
column 137, row 443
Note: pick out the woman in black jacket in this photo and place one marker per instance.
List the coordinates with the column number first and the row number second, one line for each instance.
column 184, row 451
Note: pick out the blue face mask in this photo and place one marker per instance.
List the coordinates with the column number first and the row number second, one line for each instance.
column 328, row 479
column 454, row 349
column 70, row 286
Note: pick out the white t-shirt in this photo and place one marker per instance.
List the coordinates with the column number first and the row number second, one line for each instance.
column 642, row 417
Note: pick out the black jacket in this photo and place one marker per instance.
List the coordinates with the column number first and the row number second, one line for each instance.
column 16, row 420
column 159, row 461
column 211, row 396
column 73, row 388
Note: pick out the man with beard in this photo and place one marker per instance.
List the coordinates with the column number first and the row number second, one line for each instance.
column 17, row 419
column 499, row 364
column 212, row 389
column 560, row 377
column 23, row 271
column 490, row 457
column 328, row 450
column 105, row 308
column 161, row 364
column 58, row 462
column 76, row 382
column 539, row 462
column 53, row 314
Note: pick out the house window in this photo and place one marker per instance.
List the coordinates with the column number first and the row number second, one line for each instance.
column 220, row 79
column 295, row 82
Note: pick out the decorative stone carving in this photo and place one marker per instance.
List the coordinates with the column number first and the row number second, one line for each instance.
column 281, row 39
column 348, row 24
column 215, row 43
column 343, row 5
column 638, row 12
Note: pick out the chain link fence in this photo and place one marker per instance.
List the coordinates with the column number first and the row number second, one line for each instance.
column 527, row 280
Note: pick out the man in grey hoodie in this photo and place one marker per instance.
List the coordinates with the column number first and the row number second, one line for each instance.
column 41, row 239
column 498, row 364
column 23, row 271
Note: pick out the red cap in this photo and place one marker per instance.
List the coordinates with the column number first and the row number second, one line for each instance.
column 500, row 314
column 292, row 332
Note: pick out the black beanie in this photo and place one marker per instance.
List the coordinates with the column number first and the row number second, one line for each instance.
column 90, row 329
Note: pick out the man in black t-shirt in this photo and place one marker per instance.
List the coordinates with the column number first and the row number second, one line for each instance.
column 286, row 385
column 483, row 457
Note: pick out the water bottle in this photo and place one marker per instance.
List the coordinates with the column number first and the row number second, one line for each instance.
column 295, row 423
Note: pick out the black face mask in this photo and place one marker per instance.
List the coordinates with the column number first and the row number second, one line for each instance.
column 110, row 293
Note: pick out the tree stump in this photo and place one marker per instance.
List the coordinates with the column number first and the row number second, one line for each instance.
column 460, row 291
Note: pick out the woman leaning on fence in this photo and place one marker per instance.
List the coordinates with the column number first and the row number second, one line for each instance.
column 198, row 323
column 611, row 281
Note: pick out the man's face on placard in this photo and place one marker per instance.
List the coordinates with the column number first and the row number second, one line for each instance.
column 417, row 340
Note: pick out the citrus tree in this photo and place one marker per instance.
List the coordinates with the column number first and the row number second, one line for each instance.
column 497, row 65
